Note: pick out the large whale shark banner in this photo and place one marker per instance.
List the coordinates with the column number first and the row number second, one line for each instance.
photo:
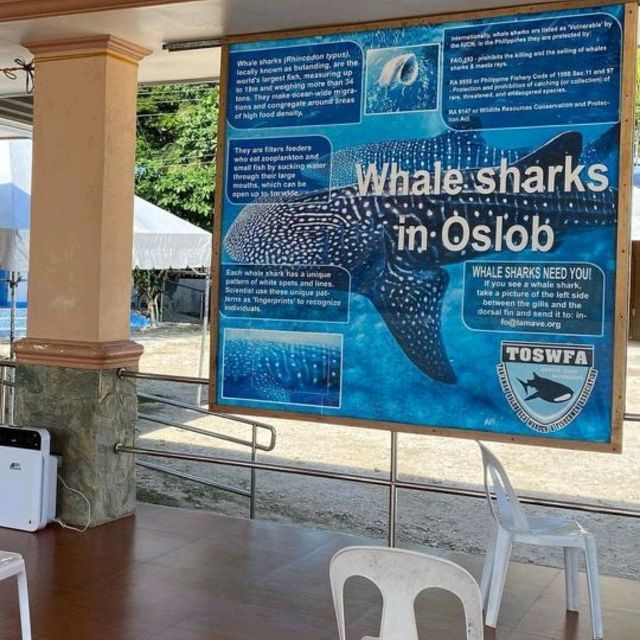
column 423, row 226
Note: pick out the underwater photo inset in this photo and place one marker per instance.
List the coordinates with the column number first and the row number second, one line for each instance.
column 402, row 79
column 284, row 367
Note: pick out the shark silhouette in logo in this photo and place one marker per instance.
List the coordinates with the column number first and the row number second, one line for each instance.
column 546, row 389
column 343, row 228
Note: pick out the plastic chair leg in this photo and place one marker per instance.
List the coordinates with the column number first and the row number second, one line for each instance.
column 23, row 601
column 487, row 568
column 500, row 563
column 593, row 580
column 571, row 577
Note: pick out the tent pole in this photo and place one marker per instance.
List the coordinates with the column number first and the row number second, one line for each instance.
column 203, row 338
column 13, row 283
column 14, row 280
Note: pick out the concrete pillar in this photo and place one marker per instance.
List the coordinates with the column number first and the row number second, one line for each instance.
column 86, row 413
column 80, row 268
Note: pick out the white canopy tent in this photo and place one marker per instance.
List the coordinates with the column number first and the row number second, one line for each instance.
column 15, row 204
column 164, row 241
column 161, row 240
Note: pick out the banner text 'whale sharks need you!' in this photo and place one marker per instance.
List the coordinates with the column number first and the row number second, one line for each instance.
column 420, row 226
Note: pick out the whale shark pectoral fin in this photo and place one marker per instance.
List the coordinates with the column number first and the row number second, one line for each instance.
column 416, row 330
column 533, row 396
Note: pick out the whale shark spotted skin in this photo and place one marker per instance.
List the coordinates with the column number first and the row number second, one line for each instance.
column 340, row 227
column 282, row 372
column 460, row 150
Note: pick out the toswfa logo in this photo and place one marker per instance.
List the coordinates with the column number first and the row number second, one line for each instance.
column 547, row 385
column 15, row 466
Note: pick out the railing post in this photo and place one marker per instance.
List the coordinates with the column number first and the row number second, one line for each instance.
column 203, row 338
column 12, row 396
column 14, row 280
column 3, row 396
column 393, row 489
column 254, row 453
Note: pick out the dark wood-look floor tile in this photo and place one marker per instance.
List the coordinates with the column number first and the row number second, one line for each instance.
column 170, row 574
column 187, row 524
column 518, row 635
column 616, row 593
column 523, row 586
column 548, row 618
column 502, row 633
column 230, row 620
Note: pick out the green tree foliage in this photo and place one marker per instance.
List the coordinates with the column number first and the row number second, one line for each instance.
column 176, row 147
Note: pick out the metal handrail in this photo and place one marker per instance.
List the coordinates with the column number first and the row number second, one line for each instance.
column 253, row 443
column 187, row 476
column 209, row 434
column 393, row 483
column 372, row 480
column 160, row 377
column 225, row 416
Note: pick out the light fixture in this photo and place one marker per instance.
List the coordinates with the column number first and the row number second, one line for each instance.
column 190, row 45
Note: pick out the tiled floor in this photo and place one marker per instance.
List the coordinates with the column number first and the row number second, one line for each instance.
column 170, row 574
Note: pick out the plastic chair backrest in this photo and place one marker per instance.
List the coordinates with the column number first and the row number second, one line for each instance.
column 402, row 575
column 506, row 508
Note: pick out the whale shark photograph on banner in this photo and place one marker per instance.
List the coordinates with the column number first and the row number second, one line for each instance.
column 419, row 226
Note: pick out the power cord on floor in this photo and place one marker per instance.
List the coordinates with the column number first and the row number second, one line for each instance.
column 64, row 525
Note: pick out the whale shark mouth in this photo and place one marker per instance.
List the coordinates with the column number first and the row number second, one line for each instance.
column 408, row 73
column 400, row 70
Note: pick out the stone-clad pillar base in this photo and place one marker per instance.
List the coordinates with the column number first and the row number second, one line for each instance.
column 86, row 412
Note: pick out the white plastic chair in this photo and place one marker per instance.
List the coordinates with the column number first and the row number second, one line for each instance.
column 512, row 525
column 12, row 564
column 401, row 576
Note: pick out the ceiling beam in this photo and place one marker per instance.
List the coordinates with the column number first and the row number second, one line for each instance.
column 12, row 10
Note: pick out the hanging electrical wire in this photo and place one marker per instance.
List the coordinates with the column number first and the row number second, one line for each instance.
column 28, row 68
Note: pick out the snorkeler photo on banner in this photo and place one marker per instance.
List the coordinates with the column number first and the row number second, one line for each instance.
column 419, row 226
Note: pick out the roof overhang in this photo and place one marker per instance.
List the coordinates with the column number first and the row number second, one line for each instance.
column 153, row 23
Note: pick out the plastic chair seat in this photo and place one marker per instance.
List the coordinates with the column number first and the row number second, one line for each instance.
column 557, row 527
